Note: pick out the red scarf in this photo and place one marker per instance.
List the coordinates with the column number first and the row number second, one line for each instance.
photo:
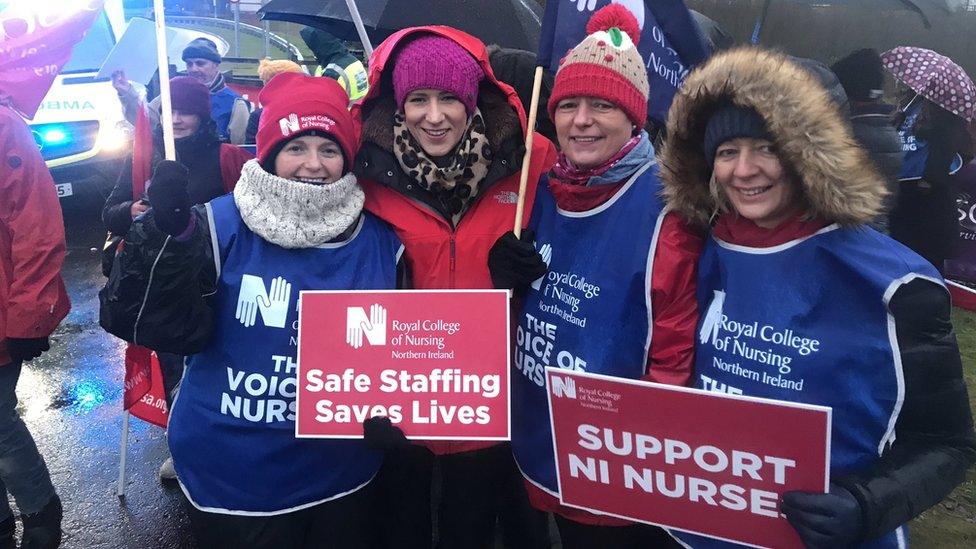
column 567, row 172
column 736, row 229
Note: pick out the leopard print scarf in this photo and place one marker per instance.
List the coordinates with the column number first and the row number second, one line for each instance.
column 455, row 184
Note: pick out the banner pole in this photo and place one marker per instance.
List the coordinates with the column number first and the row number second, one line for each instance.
column 357, row 20
column 166, row 118
column 123, row 450
column 529, row 132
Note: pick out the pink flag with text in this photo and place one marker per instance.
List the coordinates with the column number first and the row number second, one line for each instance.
column 36, row 40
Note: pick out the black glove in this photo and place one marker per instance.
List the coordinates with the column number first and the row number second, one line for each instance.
column 169, row 198
column 26, row 349
column 380, row 434
column 514, row 263
column 824, row 520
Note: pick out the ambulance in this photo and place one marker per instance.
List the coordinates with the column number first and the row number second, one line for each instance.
column 79, row 127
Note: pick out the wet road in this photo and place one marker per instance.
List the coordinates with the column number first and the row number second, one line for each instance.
column 71, row 399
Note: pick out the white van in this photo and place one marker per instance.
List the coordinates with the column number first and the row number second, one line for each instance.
column 79, row 127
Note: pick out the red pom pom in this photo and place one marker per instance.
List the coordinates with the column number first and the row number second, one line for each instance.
column 615, row 15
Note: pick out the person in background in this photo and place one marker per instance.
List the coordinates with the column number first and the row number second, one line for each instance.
column 337, row 63
column 228, row 109
column 267, row 68
column 598, row 215
column 443, row 145
column 214, row 169
column 872, row 120
column 924, row 217
column 294, row 221
column 517, row 69
column 33, row 301
column 789, row 196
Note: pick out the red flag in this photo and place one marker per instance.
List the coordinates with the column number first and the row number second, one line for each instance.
column 144, row 395
column 36, row 39
column 142, row 152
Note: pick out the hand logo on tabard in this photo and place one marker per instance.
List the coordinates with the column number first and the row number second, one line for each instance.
column 712, row 322
column 546, row 253
column 358, row 325
column 254, row 297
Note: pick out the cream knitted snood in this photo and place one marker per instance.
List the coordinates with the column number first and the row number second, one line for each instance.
column 293, row 214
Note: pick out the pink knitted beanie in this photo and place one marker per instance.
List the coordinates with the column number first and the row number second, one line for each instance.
column 438, row 63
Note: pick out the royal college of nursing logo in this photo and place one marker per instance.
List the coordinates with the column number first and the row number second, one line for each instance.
column 563, row 387
column 372, row 327
column 254, row 297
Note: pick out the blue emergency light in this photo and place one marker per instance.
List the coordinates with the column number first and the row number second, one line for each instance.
column 54, row 136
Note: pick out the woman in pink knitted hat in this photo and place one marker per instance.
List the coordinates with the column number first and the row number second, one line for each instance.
column 443, row 142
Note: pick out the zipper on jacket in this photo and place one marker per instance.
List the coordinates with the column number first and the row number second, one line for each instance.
column 453, row 257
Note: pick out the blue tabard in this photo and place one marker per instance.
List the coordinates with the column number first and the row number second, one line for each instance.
column 916, row 149
column 590, row 312
column 808, row 322
column 221, row 107
column 232, row 428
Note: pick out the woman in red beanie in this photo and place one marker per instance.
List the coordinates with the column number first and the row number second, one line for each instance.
column 443, row 142
column 598, row 217
column 294, row 222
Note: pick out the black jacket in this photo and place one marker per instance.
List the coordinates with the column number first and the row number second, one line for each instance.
column 156, row 294
column 935, row 444
column 874, row 128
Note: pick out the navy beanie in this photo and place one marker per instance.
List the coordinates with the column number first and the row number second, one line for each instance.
column 201, row 48
column 730, row 122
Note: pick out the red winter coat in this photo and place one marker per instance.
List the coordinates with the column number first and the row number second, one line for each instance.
column 33, row 299
column 439, row 255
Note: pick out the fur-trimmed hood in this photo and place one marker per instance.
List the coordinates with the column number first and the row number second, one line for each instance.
column 812, row 138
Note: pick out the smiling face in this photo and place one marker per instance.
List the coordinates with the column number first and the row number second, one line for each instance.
column 203, row 70
column 436, row 119
column 755, row 182
column 184, row 124
column 310, row 159
column 590, row 130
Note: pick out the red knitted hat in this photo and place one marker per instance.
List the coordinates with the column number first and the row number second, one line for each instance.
column 295, row 103
column 606, row 64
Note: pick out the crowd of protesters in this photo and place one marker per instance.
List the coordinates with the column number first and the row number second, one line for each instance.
column 746, row 207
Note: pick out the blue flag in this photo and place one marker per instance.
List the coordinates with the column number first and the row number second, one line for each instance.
column 670, row 42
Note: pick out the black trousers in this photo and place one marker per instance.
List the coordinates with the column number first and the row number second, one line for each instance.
column 479, row 491
column 341, row 523
column 576, row 535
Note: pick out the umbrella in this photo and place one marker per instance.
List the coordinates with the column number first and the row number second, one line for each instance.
column 508, row 23
column 934, row 77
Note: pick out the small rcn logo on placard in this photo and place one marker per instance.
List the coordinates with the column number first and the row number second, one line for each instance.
column 373, row 327
column 563, row 387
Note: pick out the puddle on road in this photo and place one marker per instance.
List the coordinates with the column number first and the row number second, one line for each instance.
column 82, row 397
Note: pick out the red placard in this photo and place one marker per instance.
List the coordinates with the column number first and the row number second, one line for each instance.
column 707, row 463
column 435, row 362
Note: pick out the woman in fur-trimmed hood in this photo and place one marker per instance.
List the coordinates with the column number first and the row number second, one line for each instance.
column 812, row 138
column 758, row 151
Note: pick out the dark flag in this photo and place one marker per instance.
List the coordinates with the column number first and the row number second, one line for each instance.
column 670, row 42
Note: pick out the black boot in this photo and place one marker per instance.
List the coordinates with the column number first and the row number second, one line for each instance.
column 7, row 533
column 42, row 530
